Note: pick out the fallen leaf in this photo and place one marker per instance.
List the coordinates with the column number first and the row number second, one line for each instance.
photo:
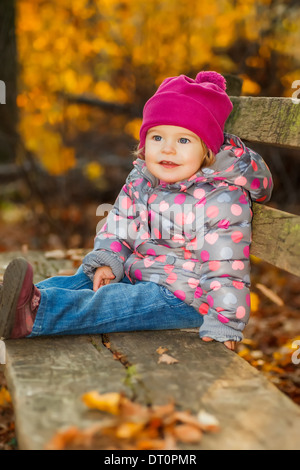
column 5, row 398
column 127, row 430
column 187, row 433
column 167, row 359
column 117, row 356
column 208, row 422
column 109, row 402
column 161, row 350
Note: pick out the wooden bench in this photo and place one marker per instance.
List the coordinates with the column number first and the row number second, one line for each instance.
column 47, row 376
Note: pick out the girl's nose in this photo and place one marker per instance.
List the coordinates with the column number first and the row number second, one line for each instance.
column 168, row 147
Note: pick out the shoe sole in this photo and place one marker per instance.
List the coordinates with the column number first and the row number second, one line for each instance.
column 12, row 285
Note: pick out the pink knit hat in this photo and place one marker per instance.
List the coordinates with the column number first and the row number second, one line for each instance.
column 200, row 105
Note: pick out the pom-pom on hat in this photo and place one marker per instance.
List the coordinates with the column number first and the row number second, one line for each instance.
column 201, row 105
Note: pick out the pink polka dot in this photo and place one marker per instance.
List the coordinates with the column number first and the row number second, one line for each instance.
column 211, row 238
column 212, row 211
column 230, row 169
column 138, row 274
column 199, row 193
column 163, row 206
column 180, row 294
column 204, row 255
column 171, row 278
column 238, row 265
column 222, row 319
column 151, row 252
column 224, row 224
column 255, row 183
column 148, row 262
column 248, row 300
column 190, row 218
column 168, row 268
column 116, row 247
column 126, row 202
column 243, row 199
column 203, row 309
column 214, row 265
column 198, row 293
column 210, row 300
column 152, row 198
column 145, row 236
column 238, row 285
column 193, row 283
column 157, row 233
column 238, row 152
column 215, row 285
column 265, row 183
column 254, row 165
column 180, row 199
column 161, row 258
column 236, row 209
column 138, row 181
column 237, row 237
column 189, row 266
column 240, row 312
column 246, row 251
column 240, row 181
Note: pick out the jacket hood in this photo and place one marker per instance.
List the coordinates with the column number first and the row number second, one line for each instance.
column 235, row 165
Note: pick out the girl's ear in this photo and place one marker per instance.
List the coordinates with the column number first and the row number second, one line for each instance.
column 209, row 158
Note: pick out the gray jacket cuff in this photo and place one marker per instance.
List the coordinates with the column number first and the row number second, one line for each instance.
column 214, row 329
column 96, row 259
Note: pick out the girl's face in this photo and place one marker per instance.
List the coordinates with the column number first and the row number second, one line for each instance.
column 173, row 153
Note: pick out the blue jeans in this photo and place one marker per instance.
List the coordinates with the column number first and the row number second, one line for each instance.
column 70, row 306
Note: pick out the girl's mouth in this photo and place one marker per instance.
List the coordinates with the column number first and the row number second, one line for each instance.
column 167, row 164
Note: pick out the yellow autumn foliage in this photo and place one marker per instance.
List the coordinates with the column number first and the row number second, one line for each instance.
column 101, row 48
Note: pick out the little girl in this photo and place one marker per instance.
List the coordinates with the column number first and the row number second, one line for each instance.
column 174, row 252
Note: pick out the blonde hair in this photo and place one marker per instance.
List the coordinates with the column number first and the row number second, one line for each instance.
column 207, row 161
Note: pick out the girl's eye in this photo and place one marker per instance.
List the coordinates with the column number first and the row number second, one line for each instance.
column 157, row 138
column 184, row 140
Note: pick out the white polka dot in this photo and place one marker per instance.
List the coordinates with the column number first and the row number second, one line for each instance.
column 226, row 252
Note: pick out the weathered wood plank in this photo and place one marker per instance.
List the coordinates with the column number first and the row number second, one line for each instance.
column 253, row 413
column 46, row 378
column 266, row 120
column 276, row 238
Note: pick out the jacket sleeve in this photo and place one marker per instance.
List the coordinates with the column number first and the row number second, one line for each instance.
column 115, row 241
column 225, row 271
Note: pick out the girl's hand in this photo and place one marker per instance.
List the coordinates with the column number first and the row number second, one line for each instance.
column 102, row 277
column 228, row 344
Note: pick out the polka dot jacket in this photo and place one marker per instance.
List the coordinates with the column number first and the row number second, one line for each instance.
column 192, row 237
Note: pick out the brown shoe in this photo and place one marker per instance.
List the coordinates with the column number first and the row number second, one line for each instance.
column 20, row 300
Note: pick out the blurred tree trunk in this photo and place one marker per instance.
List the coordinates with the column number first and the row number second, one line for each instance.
column 8, row 74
